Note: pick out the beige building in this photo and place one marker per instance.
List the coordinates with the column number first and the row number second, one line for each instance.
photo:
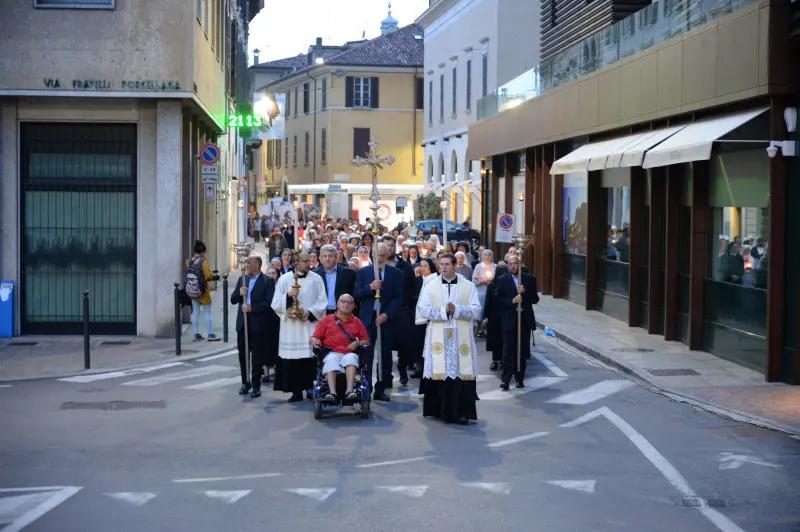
column 341, row 98
column 466, row 58
column 104, row 106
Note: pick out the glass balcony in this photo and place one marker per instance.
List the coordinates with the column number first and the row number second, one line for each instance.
column 659, row 22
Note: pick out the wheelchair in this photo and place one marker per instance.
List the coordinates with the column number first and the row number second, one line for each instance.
column 362, row 387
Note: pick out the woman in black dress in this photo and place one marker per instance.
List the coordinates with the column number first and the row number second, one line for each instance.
column 271, row 351
column 425, row 269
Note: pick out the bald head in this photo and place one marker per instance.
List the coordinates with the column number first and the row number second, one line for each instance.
column 302, row 261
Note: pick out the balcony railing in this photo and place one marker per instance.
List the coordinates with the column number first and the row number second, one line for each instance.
column 653, row 25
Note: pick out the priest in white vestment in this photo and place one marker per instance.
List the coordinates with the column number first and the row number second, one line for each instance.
column 297, row 368
column 450, row 303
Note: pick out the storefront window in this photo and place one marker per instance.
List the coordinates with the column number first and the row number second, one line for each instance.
column 574, row 233
column 614, row 252
column 736, row 301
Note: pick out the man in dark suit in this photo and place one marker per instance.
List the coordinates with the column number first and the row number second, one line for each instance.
column 253, row 293
column 338, row 279
column 403, row 324
column 390, row 284
column 511, row 293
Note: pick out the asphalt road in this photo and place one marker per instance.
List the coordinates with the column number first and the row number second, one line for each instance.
column 582, row 449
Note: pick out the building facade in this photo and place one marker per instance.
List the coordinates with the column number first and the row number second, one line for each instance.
column 333, row 106
column 466, row 57
column 654, row 198
column 105, row 106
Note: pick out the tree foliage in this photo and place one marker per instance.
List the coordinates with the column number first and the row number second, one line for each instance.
column 427, row 207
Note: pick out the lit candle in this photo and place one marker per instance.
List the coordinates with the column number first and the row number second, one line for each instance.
column 489, row 274
column 365, row 263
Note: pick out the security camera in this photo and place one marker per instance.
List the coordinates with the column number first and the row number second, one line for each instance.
column 772, row 151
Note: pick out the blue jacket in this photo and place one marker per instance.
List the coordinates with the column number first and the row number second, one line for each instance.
column 391, row 293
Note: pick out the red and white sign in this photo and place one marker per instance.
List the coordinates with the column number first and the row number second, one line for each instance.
column 384, row 211
column 505, row 228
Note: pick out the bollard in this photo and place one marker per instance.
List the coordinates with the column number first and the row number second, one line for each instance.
column 177, row 320
column 87, row 360
column 225, row 308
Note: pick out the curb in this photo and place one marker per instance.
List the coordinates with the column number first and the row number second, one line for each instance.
column 682, row 397
column 187, row 358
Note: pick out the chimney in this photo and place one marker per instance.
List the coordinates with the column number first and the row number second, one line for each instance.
column 319, row 41
column 255, row 56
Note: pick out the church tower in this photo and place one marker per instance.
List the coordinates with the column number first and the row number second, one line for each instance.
column 389, row 24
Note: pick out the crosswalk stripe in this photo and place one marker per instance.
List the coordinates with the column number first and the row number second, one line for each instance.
column 592, row 393
column 549, row 364
column 217, row 383
column 178, row 376
column 125, row 373
column 215, row 357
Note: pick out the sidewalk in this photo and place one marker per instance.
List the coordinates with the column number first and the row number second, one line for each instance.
column 60, row 356
column 696, row 377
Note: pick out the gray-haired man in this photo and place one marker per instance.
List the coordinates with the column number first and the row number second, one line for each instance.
column 337, row 280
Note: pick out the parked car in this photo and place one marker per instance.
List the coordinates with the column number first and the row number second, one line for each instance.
column 455, row 231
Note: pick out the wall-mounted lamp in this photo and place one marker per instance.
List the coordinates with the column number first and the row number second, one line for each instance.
column 790, row 117
column 320, row 60
column 521, row 196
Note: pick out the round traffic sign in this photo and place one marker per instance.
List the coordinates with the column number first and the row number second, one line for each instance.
column 384, row 211
column 209, row 153
column 506, row 221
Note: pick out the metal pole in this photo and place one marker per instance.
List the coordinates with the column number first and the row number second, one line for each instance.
column 87, row 361
column 177, row 320
column 225, row 308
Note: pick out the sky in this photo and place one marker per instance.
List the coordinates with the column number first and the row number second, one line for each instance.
column 285, row 29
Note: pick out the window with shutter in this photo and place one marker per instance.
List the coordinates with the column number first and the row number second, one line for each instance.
column 454, row 91
column 294, row 151
column 307, row 152
column 469, row 84
column 270, row 144
column 349, row 90
column 441, row 97
column 419, row 94
column 306, row 97
column 324, row 93
column 296, row 99
column 360, row 141
column 288, row 104
column 373, row 92
column 362, row 92
column 278, row 153
column 430, row 102
column 323, row 145
column 286, row 151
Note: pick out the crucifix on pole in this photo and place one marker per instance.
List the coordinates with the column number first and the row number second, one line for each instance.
column 375, row 160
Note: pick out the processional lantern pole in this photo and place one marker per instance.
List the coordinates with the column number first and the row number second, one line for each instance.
column 521, row 241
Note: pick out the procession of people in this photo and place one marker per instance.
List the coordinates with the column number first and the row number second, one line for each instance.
column 354, row 294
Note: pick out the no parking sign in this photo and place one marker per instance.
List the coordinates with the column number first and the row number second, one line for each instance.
column 504, row 230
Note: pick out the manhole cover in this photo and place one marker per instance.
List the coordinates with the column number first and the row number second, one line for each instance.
column 671, row 372
column 632, row 350
column 116, row 342
column 22, row 343
column 113, row 405
column 183, row 352
column 695, row 502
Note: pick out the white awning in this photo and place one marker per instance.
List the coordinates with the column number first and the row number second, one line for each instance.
column 694, row 142
column 591, row 156
column 632, row 154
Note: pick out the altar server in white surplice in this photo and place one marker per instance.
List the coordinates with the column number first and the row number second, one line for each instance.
column 450, row 303
column 296, row 367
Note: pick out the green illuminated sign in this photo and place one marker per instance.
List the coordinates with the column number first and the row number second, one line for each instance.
column 245, row 120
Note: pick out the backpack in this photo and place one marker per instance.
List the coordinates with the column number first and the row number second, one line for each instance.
column 195, row 283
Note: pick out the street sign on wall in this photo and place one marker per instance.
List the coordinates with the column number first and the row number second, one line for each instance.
column 209, row 174
column 210, row 193
column 505, row 228
column 209, row 154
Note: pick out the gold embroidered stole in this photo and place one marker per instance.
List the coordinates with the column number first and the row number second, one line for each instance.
column 463, row 331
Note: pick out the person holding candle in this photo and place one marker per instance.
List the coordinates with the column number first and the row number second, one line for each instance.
column 482, row 275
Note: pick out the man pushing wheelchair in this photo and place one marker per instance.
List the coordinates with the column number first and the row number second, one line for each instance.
column 338, row 338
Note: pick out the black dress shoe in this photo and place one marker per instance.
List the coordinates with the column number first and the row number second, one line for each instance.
column 244, row 389
column 296, row 397
column 463, row 421
column 416, row 375
column 520, row 384
column 494, row 366
column 255, row 393
column 504, row 386
column 403, row 380
column 381, row 397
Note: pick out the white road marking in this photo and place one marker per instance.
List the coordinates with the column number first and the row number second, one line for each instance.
column 319, row 494
column 657, row 459
column 503, row 443
column 734, row 461
column 218, row 383
column 215, row 357
column 11, row 507
column 411, row 491
column 393, row 462
column 501, row 488
column 124, row 373
column 135, row 498
column 179, row 376
column 220, row 479
column 228, row 496
column 592, row 393
column 586, row 486
column 6, row 385
column 536, row 383
column 549, row 364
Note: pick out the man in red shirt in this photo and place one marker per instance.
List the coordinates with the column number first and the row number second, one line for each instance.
column 342, row 344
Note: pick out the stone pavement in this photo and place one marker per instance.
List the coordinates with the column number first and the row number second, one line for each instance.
column 59, row 356
column 713, row 384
